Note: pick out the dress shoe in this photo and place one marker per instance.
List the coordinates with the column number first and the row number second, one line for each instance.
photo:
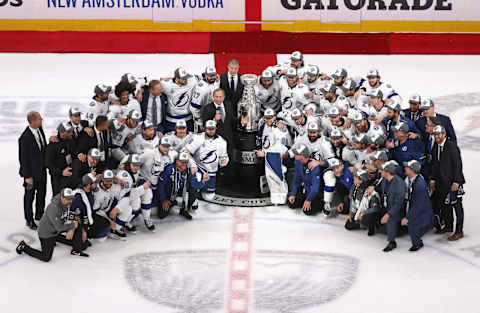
column 21, row 247
column 371, row 231
column 31, row 225
column 79, row 253
column 456, row 236
column 416, row 248
column 444, row 230
column 185, row 214
column 391, row 245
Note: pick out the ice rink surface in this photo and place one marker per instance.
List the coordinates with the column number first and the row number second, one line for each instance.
column 229, row 259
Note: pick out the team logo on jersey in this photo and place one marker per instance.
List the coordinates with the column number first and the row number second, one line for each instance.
column 266, row 142
column 182, row 100
column 287, row 103
column 210, row 157
column 404, row 149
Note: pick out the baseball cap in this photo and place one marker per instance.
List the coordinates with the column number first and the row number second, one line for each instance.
column 291, row 72
column 377, row 138
column 301, row 150
column 115, row 125
column 333, row 112
column 88, row 179
column 336, row 133
column 439, row 129
column 65, row 127
column 395, row 106
column 313, row 70
column 181, row 124
column 379, row 156
column 68, row 193
column 402, row 127
column 267, row 74
column 362, row 174
column 360, row 138
column 357, row 117
column 269, row 113
column 312, row 126
column 183, row 157
column 94, row 153
column 296, row 114
column 135, row 159
column 147, row 124
column 311, row 106
column 135, row 116
column 210, row 124
column 329, row 88
column 211, row 71
column 389, row 166
column 107, row 175
column 181, row 73
column 415, row 98
column 426, row 104
column 373, row 73
column 296, row 56
column 334, row 162
column 414, row 165
column 165, row 142
column 340, row 72
column 74, row 111
column 101, row 88
column 129, row 78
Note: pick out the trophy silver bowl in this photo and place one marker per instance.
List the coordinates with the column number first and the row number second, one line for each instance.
column 247, row 106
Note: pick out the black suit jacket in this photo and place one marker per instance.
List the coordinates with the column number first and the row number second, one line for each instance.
column 85, row 143
column 163, row 105
column 448, row 169
column 446, row 122
column 224, row 129
column 233, row 98
column 32, row 159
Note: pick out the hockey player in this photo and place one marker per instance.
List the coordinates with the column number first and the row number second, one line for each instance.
column 300, row 122
column 318, row 145
column 339, row 77
column 99, row 106
column 125, row 104
column 338, row 183
column 179, row 94
column 104, row 197
column 308, row 198
column 378, row 110
column 338, row 142
column 274, row 143
column 365, row 126
column 331, row 99
column 292, row 93
column 267, row 92
column 413, row 112
column 419, row 217
column 122, row 134
column 172, row 183
column 373, row 84
column 314, row 79
column 296, row 62
column 357, row 154
column 179, row 137
column 394, row 117
column 202, row 95
column 364, row 207
column 146, row 142
column 140, row 194
column 209, row 152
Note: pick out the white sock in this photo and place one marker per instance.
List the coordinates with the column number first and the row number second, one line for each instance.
column 146, row 214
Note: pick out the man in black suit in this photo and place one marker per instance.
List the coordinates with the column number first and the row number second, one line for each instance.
column 78, row 125
column 231, row 83
column 31, row 152
column 101, row 140
column 413, row 112
column 154, row 105
column 428, row 108
column 447, row 183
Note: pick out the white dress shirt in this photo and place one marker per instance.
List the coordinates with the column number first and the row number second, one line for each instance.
column 38, row 137
column 235, row 80
column 149, row 116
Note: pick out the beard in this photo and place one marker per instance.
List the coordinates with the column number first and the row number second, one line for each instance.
column 312, row 138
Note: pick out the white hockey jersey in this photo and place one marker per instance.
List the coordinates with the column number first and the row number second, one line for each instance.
column 207, row 152
column 274, row 139
column 176, row 142
column 95, row 109
column 178, row 99
column 154, row 162
column 355, row 157
column 139, row 144
column 268, row 97
column 121, row 111
column 104, row 198
column 202, row 94
column 321, row 149
column 292, row 97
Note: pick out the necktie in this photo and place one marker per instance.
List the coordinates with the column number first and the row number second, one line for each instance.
column 232, row 84
column 40, row 141
column 440, row 150
column 154, row 111
column 409, row 186
column 76, row 131
column 102, row 143
column 430, row 145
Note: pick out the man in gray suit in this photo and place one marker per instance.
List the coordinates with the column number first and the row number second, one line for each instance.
column 393, row 199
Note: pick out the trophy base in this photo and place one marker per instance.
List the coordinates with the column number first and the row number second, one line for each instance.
column 244, row 183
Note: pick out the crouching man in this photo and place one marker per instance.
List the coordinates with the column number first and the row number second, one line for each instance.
column 364, row 206
column 55, row 221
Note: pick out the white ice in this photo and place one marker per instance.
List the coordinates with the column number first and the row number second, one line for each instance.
column 290, row 251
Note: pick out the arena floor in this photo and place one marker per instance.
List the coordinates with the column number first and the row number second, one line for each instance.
column 229, row 259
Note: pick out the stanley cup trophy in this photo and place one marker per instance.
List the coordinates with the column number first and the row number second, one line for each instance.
column 250, row 170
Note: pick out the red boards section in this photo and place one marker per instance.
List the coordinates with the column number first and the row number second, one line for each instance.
column 250, row 63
